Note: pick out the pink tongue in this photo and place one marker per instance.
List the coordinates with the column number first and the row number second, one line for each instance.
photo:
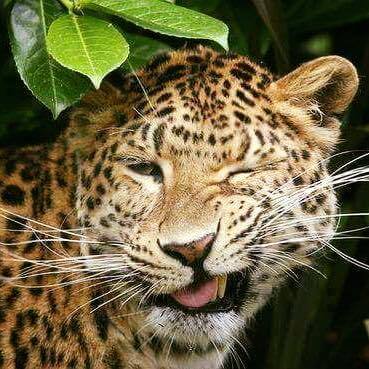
column 196, row 297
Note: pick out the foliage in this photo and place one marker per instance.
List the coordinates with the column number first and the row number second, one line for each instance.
column 54, row 44
column 317, row 323
column 52, row 84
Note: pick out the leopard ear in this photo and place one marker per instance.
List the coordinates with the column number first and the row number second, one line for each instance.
column 92, row 117
column 330, row 83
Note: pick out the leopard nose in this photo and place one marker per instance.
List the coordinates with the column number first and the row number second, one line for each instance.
column 192, row 252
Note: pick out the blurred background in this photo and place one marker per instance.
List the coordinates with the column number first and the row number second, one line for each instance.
column 319, row 322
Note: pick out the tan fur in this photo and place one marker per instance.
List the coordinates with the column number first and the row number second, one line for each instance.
column 232, row 144
column 324, row 86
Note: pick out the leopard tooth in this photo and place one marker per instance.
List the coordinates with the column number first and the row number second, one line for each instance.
column 215, row 295
column 222, row 285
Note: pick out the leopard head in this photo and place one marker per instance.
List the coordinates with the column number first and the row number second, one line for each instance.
column 204, row 178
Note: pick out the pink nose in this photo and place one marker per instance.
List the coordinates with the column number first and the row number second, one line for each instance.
column 192, row 251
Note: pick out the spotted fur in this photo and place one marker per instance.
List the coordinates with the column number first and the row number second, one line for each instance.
column 234, row 146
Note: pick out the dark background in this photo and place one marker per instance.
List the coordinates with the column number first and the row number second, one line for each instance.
column 317, row 323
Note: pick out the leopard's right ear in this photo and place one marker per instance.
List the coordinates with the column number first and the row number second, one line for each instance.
column 330, row 82
column 93, row 116
column 312, row 96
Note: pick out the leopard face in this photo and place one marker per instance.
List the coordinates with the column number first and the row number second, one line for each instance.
column 204, row 180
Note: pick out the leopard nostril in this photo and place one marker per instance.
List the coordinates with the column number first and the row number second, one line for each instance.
column 192, row 252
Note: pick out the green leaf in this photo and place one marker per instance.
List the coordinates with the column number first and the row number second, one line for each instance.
column 6, row 3
column 270, row 12
column 163, row 17
column 55, row 86
column 308, row 15
column 248, row 33
column 207, row 6
column 87, row 45
column 142, row 49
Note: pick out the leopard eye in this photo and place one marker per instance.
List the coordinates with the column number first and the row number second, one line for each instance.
column 261, row 168
column 241, row 171
column 148, row 169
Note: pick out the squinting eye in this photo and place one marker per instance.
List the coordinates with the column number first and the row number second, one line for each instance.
column 241, row 171
column 148, row 169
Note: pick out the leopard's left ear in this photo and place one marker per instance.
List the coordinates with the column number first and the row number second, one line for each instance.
column 329, row 82
column 93, row 116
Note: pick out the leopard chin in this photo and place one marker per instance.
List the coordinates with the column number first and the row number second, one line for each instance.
column 199, row 333
column 207, row 315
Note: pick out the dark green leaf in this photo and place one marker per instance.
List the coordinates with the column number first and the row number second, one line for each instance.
column 202, row 6
column 142, row 49
column 248, row 34
column 308, row 15
column 7, row 3
column 52, row 84
column 270, row 12
column 163, row 17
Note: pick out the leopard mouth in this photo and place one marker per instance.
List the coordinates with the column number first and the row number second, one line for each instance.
column 208, row 295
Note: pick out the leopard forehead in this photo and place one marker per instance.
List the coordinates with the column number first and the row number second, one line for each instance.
column 190, row 103
column 200, row 111
column 202, row 108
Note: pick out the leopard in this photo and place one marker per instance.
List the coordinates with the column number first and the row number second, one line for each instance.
column 175, row 203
